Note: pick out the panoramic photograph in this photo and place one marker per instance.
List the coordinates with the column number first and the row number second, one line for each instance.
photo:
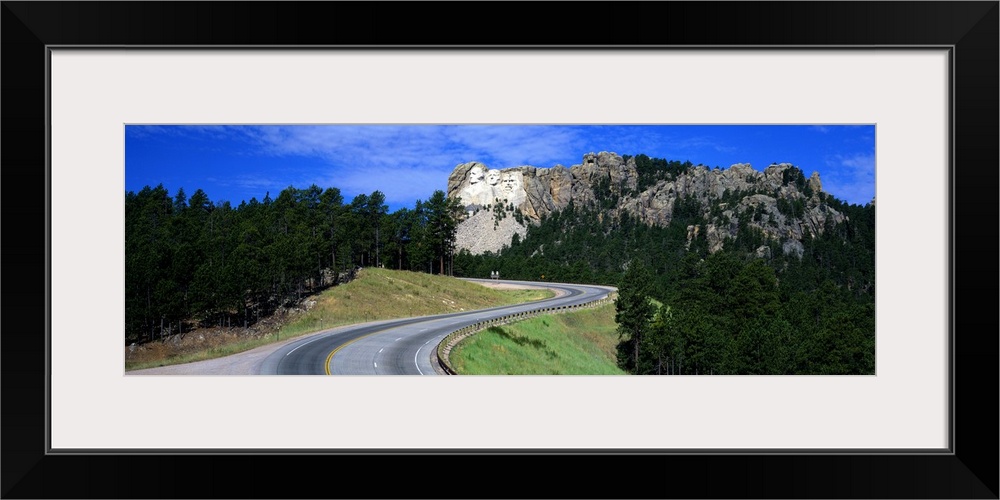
column 366, row 250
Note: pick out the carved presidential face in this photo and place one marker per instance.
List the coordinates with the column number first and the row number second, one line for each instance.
column 493, row 177
column 476, row 175
column 510, row 183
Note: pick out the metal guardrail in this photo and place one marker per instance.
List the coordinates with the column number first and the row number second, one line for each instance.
column 452, row 339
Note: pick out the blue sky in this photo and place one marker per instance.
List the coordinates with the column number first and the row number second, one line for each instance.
column 410, row 162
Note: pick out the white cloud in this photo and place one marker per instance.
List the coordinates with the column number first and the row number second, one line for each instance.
column 408, row 162
column 851, row 177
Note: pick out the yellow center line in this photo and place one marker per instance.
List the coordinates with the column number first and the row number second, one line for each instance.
column 326, row 366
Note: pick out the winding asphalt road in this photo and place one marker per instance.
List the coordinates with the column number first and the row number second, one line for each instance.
column 403, row 346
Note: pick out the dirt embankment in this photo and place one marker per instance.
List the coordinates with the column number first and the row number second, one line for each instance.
column 205, row 339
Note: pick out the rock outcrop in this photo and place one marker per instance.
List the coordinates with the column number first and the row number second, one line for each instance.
column 482, row 232
column 779, row 201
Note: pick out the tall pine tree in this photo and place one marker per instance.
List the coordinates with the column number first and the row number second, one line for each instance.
column 633, row 312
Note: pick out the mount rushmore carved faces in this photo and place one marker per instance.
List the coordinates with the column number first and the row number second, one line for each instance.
column 512, row 188
column 493, row 177
column 476, row 175
column 476, row 192
column 484, row 186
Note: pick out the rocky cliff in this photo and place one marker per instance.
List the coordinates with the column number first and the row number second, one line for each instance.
column 780, row 201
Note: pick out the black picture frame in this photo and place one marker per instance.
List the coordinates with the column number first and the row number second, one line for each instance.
column 970, row 28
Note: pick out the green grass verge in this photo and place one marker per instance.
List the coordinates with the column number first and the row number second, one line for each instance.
column 575, row 343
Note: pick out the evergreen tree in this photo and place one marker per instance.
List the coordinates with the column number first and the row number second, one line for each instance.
column 331, row 205
column 442, row 224
column 633, row 312
column 375, row 211
column 661, row 341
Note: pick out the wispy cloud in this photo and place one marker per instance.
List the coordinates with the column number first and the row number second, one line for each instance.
column 403, row 161
column 691, row 143
column 850, row 177
column 367, row 146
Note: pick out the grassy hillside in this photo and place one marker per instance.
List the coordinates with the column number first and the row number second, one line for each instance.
column 576, row 343
column 376, row 294
column 385, row 294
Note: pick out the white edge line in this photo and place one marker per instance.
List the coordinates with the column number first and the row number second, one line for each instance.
column 415, row 359
column 304, row 343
